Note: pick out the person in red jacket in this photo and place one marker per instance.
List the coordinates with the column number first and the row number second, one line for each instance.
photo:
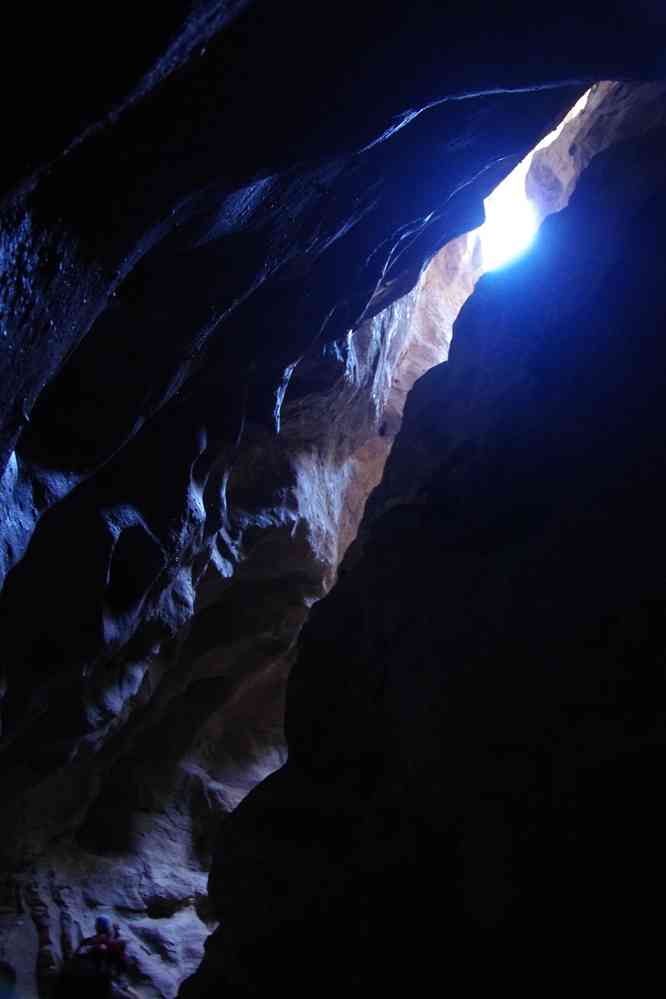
column 95, row 964
column 106, row 947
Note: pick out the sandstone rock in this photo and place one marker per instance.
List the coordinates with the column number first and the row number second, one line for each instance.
column 189, row 430
column 614, row 113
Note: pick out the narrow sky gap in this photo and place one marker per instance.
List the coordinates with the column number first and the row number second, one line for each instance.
column 511, row 221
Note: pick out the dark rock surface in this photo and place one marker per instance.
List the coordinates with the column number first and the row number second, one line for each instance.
column 476, row 721
column 189, row 430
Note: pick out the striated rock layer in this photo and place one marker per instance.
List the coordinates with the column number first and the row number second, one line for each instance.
column 476, row 720
column 212, row 263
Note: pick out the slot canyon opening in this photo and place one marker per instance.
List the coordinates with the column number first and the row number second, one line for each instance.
column 418, row 328
column 539, row 185
column 512, row 217
column 172, row 714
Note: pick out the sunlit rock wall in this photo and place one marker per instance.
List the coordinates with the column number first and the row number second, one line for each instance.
column 614, row 112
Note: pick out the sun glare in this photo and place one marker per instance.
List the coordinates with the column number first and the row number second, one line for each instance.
column 511, row 220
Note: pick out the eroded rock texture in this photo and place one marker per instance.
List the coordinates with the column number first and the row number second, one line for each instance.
column 614, row 113
column 476, row 718
column 212, row 262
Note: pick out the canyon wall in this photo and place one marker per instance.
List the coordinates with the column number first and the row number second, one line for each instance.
column 213, row 254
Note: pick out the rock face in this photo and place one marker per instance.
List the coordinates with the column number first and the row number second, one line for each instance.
column 476, row 718
column 215, row 726
column 614, row 113
column 213, row 303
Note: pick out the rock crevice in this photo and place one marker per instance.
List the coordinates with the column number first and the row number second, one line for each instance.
column 215, row 298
